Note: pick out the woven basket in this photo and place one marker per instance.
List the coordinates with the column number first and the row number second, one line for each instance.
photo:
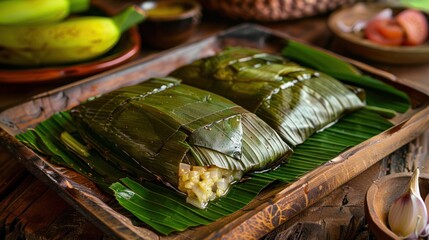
column 272, row 10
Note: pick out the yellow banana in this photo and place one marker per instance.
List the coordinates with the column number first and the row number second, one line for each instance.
column 73, row 40
column 13, row 12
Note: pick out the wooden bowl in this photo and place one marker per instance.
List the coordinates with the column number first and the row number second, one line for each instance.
column 169, row 29
column 381, row 195
column 358, row 45
column 127, row 47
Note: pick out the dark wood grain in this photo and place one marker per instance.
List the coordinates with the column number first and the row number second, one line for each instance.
column 30, row 210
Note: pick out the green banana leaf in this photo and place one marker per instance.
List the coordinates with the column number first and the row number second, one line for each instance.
column 293, row 100
column 377, row 92
column 422, row 5
column 148, row 201
column 170, row 213
column 318, row 149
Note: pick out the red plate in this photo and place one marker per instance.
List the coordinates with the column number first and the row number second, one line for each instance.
column 127, row 47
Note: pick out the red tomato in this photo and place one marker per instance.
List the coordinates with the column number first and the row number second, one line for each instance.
column 385, row 32
column 415, row 26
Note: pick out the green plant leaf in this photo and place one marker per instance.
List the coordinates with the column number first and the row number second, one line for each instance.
column 316, row 59
column 164, row 209
column 378, row 93
column 318, row 149
column 422, row 5
column 153, row 203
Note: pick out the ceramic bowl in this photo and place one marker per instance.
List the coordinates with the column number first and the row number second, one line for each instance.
column 358, row 45
column 128, row 46
column 169, row 23
column 381, row 195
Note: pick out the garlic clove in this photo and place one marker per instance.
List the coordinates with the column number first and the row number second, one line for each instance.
column 425, row 232
column 408, row 215
column 427, row 204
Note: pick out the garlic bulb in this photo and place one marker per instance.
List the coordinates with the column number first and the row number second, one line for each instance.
column 408, row 214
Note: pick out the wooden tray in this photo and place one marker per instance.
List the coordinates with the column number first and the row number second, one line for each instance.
column 266, row 211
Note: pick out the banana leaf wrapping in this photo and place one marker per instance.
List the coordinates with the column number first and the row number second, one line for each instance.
column 159, row 124
column 293, row 100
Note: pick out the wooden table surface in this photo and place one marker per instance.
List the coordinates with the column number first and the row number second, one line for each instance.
column 30, row 210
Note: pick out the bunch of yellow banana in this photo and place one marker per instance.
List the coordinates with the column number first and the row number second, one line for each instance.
column 61, row 42
column 38, row 11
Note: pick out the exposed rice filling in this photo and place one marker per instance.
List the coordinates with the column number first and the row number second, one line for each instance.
column 204, row 184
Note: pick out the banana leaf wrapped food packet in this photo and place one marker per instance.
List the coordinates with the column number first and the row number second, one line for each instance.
column 293, row 100
column 190, row 139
